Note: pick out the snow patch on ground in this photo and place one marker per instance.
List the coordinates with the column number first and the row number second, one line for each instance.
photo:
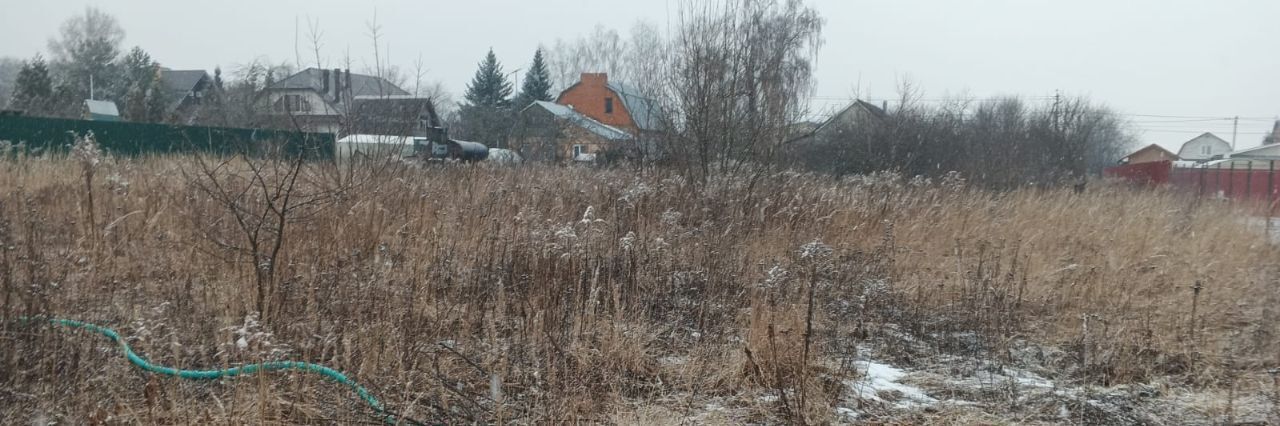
column 881, row 380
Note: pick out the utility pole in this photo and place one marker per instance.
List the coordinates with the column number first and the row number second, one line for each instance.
column 1235, row 125
column 1057, row 103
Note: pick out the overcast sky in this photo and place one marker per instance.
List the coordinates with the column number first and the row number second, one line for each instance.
column 1185, row 59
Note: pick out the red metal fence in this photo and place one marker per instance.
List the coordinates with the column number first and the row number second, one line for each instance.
column 1243, row 180
column 1153, row 173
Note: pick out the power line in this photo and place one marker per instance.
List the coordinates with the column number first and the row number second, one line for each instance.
column 1187, row 120
column 942, row 99
column 1201, row 117
column 1199, row 131
column 1180, row 118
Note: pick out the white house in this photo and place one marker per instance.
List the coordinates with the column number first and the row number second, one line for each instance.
column 1204, row 148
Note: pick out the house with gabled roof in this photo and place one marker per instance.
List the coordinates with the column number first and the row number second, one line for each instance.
column 1203, row 148
column 859, row 114
column 612, row 103
column 1149, row 154
column 322, row 100
column 184, row 93
column 552, row 132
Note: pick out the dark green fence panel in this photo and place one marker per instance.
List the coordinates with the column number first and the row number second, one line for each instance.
column 133, row 139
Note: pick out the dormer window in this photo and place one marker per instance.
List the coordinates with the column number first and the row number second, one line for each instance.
column 292, row 103
column 608, row 105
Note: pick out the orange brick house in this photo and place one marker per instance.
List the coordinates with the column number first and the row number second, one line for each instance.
column 611, row 103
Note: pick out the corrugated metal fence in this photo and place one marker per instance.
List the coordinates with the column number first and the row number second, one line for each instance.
column 123, row 138
column 1254, row 181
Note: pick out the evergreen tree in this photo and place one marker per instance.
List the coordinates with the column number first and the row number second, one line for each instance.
column 537, row 82
column 217, row 78
column 142, row 91
column 489, row 87
column 486, row 115
column 137, row 66
column 138, row 86
column 33, row 89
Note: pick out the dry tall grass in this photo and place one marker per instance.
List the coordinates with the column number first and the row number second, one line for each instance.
column 536, row 294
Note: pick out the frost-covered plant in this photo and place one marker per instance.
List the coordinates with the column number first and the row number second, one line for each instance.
column 86, row 151
column 815, row 249
column 250, row 340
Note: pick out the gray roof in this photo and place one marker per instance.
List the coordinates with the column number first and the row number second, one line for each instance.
column 859, row 104
column 644, row 111
column 361, row 85
column 106, row 108
column 180, row 83
column 600, row 129
column 805, row 130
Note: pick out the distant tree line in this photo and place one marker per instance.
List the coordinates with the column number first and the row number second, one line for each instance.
column 998, row 143
column 734, row 81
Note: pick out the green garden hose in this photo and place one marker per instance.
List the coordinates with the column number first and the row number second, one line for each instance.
column 230, row 372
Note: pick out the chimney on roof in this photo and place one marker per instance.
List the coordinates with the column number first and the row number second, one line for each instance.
column 337, row 84
column 324, row 83
column 884, row 106
column 347, row 85
column 595, row 78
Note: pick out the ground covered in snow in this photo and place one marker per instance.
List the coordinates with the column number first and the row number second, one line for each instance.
column 895, row 385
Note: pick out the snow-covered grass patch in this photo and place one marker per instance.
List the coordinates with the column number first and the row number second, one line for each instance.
column 882, row 383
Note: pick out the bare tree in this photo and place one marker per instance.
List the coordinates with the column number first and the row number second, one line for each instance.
column 740, row 75
column 601, row 51
column 315, row 35
column 263, row 197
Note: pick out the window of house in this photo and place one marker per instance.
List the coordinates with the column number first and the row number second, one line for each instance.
column 1205, row 150
column 608, row 105
column 292, row 103
column 577, row 150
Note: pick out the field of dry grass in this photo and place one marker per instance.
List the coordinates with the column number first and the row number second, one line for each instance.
column 475, row 294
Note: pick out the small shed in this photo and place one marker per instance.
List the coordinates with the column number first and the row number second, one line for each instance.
column 101, row 110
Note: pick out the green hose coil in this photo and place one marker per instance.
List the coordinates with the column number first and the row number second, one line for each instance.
column 230, row 372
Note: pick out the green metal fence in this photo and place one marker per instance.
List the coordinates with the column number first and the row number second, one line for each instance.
column 134, row 139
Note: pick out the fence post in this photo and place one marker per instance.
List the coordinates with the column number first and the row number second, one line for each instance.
column 1217, row 180
column 1271, row 179
column 1231, row 181
column 1248, row 182
column 1200, row 190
